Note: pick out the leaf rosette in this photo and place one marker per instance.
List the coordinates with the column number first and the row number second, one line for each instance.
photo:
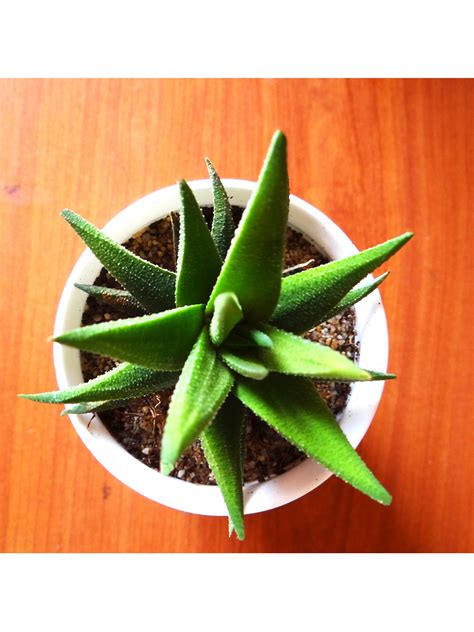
column 225, row 332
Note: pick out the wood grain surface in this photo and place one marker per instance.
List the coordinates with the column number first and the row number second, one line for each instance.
column 379, row 157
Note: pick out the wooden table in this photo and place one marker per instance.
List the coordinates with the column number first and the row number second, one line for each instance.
column 379, row 157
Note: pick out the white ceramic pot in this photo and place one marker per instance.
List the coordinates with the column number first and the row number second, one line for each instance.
column 202, row 499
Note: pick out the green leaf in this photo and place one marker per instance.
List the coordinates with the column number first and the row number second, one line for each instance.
column 236, row 341
column 203, row 385
column 121, row 299
column 198, row 260
column 299, row 267
column 174, row 220
column 253, row 266
column 222, row 219
column 255, row 336
column 222, row 443
column 122, row 382
column 158, row 341
column 307, row 297
column 353, row 297
column 294, row 408
column 151, row 285
column 244, row 363
column 298, row 356
column 227, row 313
column 94, row 407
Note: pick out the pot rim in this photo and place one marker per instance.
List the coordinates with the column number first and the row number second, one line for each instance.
column 371, row 327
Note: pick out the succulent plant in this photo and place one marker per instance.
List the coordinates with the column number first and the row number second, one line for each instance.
column 225, row 332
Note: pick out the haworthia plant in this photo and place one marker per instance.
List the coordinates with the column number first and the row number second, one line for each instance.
column 223, row 331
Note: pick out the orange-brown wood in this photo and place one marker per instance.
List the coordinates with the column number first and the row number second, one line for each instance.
column 379, row 157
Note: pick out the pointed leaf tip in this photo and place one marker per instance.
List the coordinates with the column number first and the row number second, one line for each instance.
column 151, row 285
column 223, row 445
column 307, row 297
column 295, row 409
column 298, row 356
column 122, row 382
column 227, row 313
column 198, row 260
column 120, row 299
column 254, row 263
column 158, row 341
column 377, row 375
column 222, row 218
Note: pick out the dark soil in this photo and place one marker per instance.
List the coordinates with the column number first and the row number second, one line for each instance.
column 139, row 425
